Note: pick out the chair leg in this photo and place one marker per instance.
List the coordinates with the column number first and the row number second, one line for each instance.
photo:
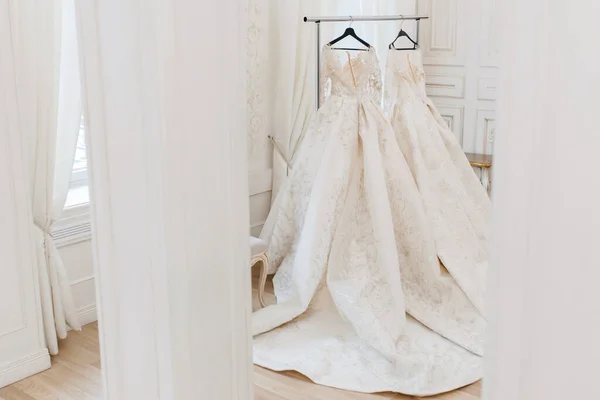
column 264, row 261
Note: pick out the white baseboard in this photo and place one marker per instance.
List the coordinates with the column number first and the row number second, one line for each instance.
column 25, row 367
column 256, row 229
column 87, row 314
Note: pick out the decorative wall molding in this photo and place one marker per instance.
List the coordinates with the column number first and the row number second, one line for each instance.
column 17, row 325
column 454, row 117
column 486, row 130
column 451, row 86
column 486, row 88
column 441, row 36
column 488, row 48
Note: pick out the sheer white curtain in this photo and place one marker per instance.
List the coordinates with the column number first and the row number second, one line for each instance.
column 292, row 63
column 50, row 112
column 543, row 297
column 164, row 99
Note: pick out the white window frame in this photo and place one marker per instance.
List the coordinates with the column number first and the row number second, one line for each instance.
column 79, row 176
column 78, row 197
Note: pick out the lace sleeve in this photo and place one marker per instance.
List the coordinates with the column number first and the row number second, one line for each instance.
column 325, row 71
column 390, row 87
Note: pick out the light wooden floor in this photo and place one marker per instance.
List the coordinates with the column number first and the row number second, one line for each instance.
column 269, row 385
column 75, row 374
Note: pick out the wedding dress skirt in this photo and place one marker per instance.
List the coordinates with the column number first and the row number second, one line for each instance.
column 363, row 302
column 456, row 204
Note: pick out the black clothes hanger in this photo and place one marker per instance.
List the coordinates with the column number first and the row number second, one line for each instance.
column 349, row 32
column 403, row 33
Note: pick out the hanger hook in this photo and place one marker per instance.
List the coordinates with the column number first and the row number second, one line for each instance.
column 351, row 21
column 402, row 21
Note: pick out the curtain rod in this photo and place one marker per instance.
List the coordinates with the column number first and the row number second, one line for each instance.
column 359, row 18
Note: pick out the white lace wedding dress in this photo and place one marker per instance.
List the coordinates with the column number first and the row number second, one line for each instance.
column 362, row 301
column 456, row 204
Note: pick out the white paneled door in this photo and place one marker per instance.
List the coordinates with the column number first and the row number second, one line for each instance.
column 460, row 54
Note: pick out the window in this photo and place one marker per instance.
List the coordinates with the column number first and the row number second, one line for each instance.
column 79, row 175
column 78, row 190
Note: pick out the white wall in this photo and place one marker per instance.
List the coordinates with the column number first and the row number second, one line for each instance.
column 260, row 150
column 79, row 263
column 72, row 236
column 22, row 348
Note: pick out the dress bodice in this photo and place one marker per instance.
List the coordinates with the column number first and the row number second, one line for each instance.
column 343, row 74
column 404, row 74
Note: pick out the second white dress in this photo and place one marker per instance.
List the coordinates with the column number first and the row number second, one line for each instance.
column 457, row 206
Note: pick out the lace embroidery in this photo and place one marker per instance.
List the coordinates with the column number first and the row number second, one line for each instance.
column 359, row 74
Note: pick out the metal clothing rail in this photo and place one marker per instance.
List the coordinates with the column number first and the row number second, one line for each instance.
column 350, row 18
column 360, row 18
